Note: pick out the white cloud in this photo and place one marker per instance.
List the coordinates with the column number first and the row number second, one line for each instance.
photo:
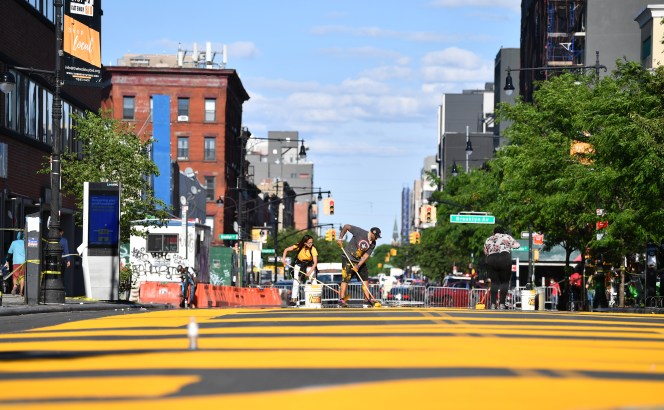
column 383, row 73
column 366, row 52
column 376, row 32
column 242, row 50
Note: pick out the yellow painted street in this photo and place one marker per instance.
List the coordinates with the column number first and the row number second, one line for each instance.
column 335, row 358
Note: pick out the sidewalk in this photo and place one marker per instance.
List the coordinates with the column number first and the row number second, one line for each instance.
column 15, row 305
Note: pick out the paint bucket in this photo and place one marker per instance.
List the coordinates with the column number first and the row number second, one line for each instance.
column 312, row 296
column 528, row 299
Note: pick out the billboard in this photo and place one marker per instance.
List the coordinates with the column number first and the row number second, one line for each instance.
column 82, row 42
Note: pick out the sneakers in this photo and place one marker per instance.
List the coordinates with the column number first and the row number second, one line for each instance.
column 342, row 303
column 293, row 303
column 371, row 302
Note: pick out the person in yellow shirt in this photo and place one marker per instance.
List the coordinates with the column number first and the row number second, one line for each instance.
column 304, row 265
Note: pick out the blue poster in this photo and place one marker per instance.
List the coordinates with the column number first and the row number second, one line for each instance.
column 104, row 220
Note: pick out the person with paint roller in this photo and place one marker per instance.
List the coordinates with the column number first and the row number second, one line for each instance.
column 354, row 259
column 304, row 266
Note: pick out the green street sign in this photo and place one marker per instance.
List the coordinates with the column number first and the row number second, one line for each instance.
column 472, row 219
column 268, row 250
column 227, row 236
column 522, row 248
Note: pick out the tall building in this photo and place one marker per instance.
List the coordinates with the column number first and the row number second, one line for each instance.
column 465, row 118
column 652, row 33
column 505, row 58
column 569, row 33
column 278, row 163
column 193, row 109
column 27, row 39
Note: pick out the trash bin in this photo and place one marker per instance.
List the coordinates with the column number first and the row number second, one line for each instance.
column 528, row 299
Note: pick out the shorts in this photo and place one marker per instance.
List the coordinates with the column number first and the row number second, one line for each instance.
column 347, row 273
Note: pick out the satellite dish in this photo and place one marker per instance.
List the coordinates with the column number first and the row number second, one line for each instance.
column 193, row 190
column 183, row 200
column 189, row 172
column 235, row 226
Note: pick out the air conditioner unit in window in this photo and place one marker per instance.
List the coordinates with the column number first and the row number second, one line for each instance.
column 183, row 118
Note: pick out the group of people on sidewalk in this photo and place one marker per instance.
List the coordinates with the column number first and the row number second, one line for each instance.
column 17, row 255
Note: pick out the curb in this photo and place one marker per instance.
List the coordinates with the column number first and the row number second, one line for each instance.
column 18, row 309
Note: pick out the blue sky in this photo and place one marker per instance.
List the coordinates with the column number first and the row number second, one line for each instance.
column 359, row 80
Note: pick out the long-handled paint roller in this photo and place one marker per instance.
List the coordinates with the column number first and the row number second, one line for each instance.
column 376, row 302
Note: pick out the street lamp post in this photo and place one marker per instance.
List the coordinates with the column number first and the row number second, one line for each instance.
column 54, row 291
column 469, row 148
column 509, row 86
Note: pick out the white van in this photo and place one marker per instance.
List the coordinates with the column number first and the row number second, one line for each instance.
column 329, row 272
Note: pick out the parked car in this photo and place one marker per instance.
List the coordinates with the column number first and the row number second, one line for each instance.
column 457, row 293
column 406, row 295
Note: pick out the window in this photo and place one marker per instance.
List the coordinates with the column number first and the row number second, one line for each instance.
column 210, row 149
column 183, row 106
column 183, row 147
column 210, row 110
column 209, row 188
column 160, row 242
column 128, row 104
column 646, row 49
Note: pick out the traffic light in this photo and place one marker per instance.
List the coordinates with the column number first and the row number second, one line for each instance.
column 333, row 234
column 417, row 237
column 411, row 238
column 331, row 206
column 428, row 215
column 328, row 235
column 393, row 252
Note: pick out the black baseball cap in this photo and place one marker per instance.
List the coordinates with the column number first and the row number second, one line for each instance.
column 376, row 231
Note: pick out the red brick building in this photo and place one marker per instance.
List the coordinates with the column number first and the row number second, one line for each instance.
column 205, row 122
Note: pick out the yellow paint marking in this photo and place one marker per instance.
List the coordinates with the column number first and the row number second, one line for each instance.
column 96, row 387
column 454, row 393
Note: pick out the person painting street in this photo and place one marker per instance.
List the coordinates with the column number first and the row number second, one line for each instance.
column 304, row 266
column 354, row 258
column 498, row 250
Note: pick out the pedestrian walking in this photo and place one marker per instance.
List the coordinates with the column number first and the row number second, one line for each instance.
column 555, row 293
column 188, row 282
column 17, row 252
column 498, row 250
column 304, row 266
column 354, row 258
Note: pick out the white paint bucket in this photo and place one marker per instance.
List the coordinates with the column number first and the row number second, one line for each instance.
column 312, row 296
column 528, row 299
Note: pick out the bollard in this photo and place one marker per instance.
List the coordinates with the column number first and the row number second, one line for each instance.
column 192, row 333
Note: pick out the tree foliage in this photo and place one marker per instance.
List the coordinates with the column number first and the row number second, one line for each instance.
column 112, row 152
column 536, row 181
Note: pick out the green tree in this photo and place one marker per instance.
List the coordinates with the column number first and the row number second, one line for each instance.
column 112, row 152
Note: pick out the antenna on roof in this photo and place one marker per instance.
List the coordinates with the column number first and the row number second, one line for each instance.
column 181, row 54
column 194, row 54
column 224, row 56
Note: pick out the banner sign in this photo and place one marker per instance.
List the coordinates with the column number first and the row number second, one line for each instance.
column 81, row 42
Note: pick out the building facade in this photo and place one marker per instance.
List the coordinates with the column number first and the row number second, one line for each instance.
column 570, row 33
column 27, row 33
column 202, row 132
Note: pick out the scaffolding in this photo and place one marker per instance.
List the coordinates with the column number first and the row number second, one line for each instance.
column 565, row 34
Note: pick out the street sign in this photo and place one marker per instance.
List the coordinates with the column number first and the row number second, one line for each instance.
column 472, row 219
column 227, row 236
column 267, row 250
column 525, row 235
column 523, row 248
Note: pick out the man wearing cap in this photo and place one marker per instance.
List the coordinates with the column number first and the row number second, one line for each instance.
column 355, row 256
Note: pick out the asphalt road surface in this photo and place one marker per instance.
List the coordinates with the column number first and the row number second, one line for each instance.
column 383, row 358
